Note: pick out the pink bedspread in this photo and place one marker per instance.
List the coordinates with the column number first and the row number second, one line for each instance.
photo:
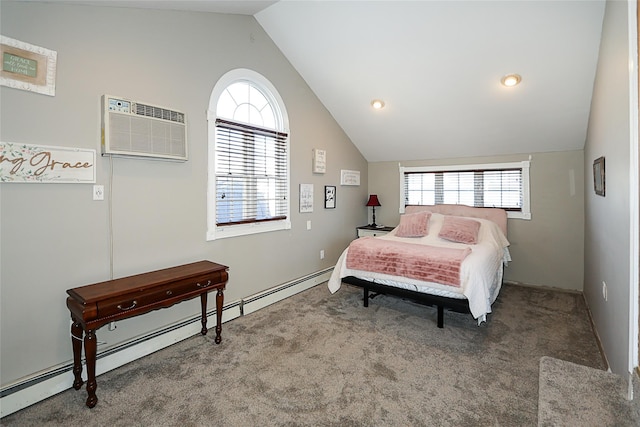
column 422, row 262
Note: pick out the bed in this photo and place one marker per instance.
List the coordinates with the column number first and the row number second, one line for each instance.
column 448, row 256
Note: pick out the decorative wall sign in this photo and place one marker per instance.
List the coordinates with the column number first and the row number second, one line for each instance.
column 598, row 176
column 329, row 196
column 319, row 160
column 45, row 164
column 27, row 67
column 306, row 198
column 348, row 177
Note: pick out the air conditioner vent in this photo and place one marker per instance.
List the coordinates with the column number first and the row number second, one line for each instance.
column 138, row 129
column 157, row 112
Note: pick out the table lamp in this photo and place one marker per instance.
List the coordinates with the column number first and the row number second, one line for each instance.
column 373, row 202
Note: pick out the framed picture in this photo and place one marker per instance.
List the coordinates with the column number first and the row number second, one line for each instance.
column 329, row 196
column 348, row 177
column 599, row 176
column 319, row 160
column 44, row 164
column 28, row 67
column 306, row 198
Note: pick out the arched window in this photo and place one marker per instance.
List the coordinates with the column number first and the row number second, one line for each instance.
column 248, row 157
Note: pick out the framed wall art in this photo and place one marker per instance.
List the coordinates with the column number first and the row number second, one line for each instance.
column 46, row 164
column 329, row 196
column 306, row 198
column 348, row 177
column 28, row 67
column 319, row 160
column 599, row 176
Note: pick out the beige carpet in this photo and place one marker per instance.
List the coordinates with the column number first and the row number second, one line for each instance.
column 576, row 395
column 318, row 359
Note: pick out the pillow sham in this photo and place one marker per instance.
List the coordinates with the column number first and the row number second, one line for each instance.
column 414, row 225
column 460, row 230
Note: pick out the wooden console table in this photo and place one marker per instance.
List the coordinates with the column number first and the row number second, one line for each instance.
column 93, row 306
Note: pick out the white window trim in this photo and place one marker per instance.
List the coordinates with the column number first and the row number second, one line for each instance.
column 215, row 232
column 524, row 165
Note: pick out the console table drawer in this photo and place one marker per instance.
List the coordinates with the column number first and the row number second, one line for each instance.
column 142, row 299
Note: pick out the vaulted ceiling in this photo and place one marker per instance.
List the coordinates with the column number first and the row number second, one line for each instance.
column 437, row 66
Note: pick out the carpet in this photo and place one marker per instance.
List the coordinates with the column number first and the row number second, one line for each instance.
column 321, row 359
column 576, row 395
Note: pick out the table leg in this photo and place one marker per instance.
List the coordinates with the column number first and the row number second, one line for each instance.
column 203, row 303
column 219, row 303
column 90, row 345
column 76, row 344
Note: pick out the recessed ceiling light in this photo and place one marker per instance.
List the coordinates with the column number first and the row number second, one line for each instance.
column 511, row 80
column 377, row 104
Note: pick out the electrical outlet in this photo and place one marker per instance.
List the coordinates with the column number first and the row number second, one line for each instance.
column 604, row 290
column 321, row 253
column 98, row 192
column 112, row 326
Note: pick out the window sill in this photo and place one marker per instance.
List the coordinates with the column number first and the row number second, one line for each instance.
column 247, row 229
column 519, row 215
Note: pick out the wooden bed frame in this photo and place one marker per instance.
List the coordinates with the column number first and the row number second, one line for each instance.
column 498, row 216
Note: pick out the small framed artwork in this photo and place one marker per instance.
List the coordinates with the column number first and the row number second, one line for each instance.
column 329, row 196
column 348, row 177
column 306, row 198
column 28, row 67
column 319, row 160
column 599, row 176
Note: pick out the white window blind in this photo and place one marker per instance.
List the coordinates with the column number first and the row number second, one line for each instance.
column 250, row 173
column 504, row 185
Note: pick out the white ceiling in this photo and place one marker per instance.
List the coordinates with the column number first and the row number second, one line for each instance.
column 437, row 65
column 237, row 7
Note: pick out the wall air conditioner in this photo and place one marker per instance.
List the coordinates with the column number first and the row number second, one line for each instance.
column 131, row 128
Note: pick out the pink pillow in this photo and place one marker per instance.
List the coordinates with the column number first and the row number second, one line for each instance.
column 414, row 225
column 460, row 230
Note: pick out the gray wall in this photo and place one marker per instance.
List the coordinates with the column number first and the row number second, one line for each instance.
column 546, row 250
column 55, row 237
column 607, row 219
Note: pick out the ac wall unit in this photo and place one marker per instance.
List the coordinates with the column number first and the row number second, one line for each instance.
column 131, row 128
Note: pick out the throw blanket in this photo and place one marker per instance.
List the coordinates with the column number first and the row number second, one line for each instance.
column 421, row 262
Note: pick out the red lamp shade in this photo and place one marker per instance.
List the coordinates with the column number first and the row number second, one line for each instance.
column 373, row 200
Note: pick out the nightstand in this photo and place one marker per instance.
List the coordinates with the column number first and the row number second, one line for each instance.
column 368, row 230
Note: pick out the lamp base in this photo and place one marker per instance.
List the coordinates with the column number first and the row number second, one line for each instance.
column 374, row 218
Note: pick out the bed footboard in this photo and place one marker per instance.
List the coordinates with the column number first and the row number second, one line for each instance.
column 458, row 305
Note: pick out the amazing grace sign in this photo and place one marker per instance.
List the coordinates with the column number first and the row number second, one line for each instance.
column 46, row 164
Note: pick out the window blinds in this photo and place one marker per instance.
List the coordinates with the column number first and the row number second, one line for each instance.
column 251, row 173
column 500, row 188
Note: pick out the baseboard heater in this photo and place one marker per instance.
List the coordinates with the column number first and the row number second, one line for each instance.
column 52, row 381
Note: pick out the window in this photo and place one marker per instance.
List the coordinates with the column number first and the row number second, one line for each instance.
column 503, row 185
column 248, row 157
